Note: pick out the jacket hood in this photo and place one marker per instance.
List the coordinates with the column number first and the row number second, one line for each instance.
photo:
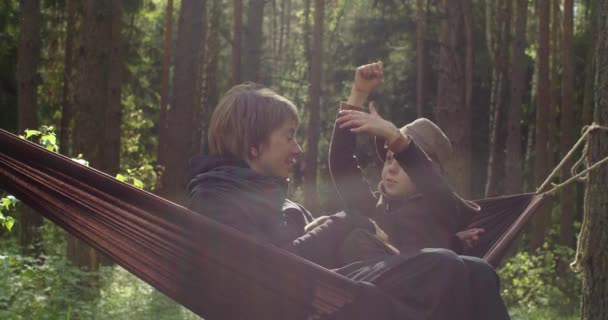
column 204, row 163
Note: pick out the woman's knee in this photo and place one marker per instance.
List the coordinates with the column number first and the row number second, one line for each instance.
column 481, row 271
column 446, row 260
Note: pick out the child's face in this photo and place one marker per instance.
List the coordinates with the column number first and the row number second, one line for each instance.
column 395, row 180
column 277, row 155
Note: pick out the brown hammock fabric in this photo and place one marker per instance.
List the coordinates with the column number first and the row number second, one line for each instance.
column 503, row 218
column 211, row 269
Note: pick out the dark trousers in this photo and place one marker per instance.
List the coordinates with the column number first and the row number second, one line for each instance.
column 485, row 294
column 432, row 284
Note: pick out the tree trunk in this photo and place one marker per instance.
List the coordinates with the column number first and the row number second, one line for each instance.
column 594, row 244
column 213, row 57
column 420, row 57
column 163, row 125
column 200, row 109
column 252, row 46
column 183, row 140
column 554, row 84
column 28, row 55
column 496, row 161
column 587, row 114
column 237, row 28
column 540, row 222
column 316, row 69
column 66, row 102
column 514, row 167
column 209, row 95
column 453, row 111
column 97, row 93
column 116, row 59
column 567, row 194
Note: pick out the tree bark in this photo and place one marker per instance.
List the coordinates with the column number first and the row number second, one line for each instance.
column 420, row 57
column 66, row 103
column 316, row 69
column 237, row 29
column 28, row 56
column 183, row 139
column 252, row 46
column 554, row 84
column 200, row 110
column 540, row 222
column 453, row 111
column 97, row 93
column 496, row 161
column 594, row 246
column 116, row 59
column 163, row 125
column 210, row 94
column 567, row 194
column 514, row 166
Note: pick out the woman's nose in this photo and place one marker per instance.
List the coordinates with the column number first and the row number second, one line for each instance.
column 393, row 167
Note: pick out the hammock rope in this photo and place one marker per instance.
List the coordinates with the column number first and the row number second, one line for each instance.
column 580, row 176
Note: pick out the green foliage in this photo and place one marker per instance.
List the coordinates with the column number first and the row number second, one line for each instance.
column 8, row 205
column 142, row 177
column 52, row 288
column 45, row 136
column 535, row 287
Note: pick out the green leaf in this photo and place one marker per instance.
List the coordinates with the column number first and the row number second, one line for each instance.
column 29, row 133
column 138, row 183
column 50, row 138
column 9, row 222
column 121, row 177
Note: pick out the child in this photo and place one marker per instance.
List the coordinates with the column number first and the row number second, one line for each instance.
column 417, row 208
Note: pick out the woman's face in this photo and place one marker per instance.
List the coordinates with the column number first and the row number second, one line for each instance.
column 395, row 180
column 276, row 156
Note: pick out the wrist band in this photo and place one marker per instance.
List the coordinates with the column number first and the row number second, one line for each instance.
column 346, row 106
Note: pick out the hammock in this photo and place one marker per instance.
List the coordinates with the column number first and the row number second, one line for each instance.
column 213, row 270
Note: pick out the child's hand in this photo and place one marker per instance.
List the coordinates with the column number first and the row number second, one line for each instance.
column 470, row 237
column 367, row 78
column 371, row 123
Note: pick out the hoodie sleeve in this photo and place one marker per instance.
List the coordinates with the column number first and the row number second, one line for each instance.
column 354, row 191
column 320, row 245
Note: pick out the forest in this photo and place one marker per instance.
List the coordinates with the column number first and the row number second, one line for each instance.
column 128, row 87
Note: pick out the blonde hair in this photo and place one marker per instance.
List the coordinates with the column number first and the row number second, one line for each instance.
column 245, row 117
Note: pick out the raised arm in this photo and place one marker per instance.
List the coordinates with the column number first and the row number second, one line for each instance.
column 413, row 160
column 354, row 191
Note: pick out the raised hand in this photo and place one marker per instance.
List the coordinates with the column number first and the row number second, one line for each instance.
column 370, row 123
column 367, row 78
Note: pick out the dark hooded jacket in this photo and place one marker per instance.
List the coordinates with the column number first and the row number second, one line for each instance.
column 428, row 219
column 229, row 192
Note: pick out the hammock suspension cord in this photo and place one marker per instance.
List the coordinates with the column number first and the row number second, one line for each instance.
column 580, row 176
column 576, row 176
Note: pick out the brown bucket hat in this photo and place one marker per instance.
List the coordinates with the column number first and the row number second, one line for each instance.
column 431, row 139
